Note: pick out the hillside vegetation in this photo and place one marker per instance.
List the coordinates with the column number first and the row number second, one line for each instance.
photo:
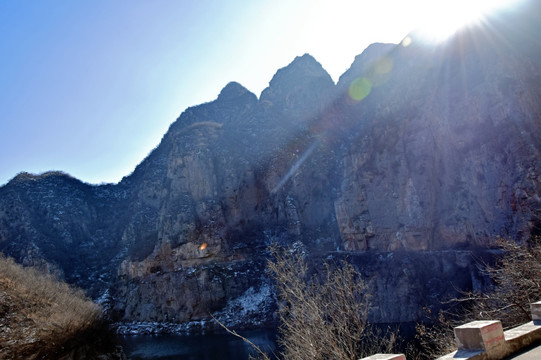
column 516, row 283
column 38, row 313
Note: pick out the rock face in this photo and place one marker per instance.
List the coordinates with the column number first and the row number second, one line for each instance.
column 416, row 149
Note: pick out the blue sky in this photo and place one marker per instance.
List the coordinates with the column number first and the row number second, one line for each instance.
column 90, row 87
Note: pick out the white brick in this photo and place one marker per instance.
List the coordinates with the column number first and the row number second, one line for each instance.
column 480, row 335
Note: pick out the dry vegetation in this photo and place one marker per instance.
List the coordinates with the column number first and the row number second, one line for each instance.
column 319, row 319
column 38, row 313
column 517, row 283
column 517, row 279
column 322, row 315
column 325, row 317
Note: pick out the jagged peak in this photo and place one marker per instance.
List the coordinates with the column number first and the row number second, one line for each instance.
column 233, row 90
column 300, row 72
column 305, row 60
column 305, row 65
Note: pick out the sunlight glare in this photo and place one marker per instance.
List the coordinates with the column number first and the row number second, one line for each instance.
column 438, row 20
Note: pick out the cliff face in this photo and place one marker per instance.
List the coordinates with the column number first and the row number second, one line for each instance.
column 450, row 158
column 415, row 149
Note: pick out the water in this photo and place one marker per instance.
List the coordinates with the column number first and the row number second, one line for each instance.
column 197, row 347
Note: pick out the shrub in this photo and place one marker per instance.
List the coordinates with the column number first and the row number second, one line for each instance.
column 323, row 315
column 39, row 313
column 320, row 318
column 516, row 277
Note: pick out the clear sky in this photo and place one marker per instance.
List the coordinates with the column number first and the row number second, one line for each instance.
column 90, row 87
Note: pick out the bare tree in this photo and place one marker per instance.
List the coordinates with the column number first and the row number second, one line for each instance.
column 322, row 316
column 516, row 277
column 517, row 280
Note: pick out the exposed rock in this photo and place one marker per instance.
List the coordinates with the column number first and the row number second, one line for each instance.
column 415, row 149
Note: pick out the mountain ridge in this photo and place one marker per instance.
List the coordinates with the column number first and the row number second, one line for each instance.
column 411, row 150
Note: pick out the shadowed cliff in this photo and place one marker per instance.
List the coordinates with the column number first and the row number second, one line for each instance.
column 416, row 148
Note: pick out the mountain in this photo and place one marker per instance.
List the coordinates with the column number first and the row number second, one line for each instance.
column 419, row 157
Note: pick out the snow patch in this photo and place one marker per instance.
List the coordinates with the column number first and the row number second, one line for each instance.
column 249, row 309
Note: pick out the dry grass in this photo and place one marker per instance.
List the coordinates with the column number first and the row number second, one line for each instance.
column 38, row 313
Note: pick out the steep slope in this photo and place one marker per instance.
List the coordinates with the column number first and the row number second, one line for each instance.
column 60, row 223
column 417, row 148
column 213, row 208
column 450, row 157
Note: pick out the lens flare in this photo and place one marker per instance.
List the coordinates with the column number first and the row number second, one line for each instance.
column 406, row 41
column 360, row 88
column 383, row 65
column 295, row 167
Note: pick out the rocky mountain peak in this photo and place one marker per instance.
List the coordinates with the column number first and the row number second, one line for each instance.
column 308, row 64
column 232, row 91
column 301, row 69
column 299, row 86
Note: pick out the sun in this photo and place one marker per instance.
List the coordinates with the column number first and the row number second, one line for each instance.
column 438, row 20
